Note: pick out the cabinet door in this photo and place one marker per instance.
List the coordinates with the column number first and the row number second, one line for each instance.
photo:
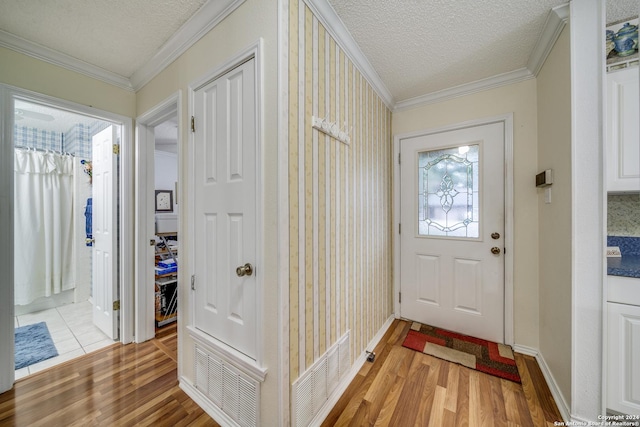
column 623, row 131
column 623, row 364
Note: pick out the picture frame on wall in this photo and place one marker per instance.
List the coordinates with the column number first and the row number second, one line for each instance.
column 164, row 201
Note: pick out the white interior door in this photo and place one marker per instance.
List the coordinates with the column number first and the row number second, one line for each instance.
column 225, row 209
column 105, row 247
column 452, row 230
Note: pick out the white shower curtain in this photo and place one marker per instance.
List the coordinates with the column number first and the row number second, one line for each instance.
column 43, row 242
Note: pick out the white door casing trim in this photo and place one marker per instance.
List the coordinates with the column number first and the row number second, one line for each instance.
column 254, row 51
column 144, row 180
column 7, row 93
column 284, row 380
column 507, row 120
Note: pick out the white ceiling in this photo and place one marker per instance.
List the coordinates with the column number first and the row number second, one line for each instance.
column 417, row 47
column 117, row 35
column 43, row 117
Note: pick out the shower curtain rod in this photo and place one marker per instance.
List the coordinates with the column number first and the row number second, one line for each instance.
column 44, row 150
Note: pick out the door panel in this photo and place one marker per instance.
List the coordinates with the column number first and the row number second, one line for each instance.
column 428, row 290
column 452, row 200
column 105, row 273
column 225, row 206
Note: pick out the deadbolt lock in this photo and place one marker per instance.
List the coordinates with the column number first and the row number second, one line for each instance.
column 495, row 236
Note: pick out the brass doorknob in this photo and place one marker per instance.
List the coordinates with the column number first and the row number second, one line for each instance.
column 495, row 250
column 244, row 270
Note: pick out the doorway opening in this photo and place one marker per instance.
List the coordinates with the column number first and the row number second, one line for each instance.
column 165, row 194
column 157, row 204
column 65, row 273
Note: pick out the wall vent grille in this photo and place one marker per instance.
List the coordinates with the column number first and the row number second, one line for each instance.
column 229, row 389
column 314, row 387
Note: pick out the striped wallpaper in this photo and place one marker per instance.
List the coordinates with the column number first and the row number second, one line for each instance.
column 340, row 250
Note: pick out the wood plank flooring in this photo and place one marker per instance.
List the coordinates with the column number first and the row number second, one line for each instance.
column 121, row 385
column 137, row 384
column 407, row 388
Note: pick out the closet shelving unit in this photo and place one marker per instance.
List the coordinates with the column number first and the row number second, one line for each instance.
column 166, row 284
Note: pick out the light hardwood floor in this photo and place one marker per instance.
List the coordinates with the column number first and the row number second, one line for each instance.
column 407, row 388
column 134, row 384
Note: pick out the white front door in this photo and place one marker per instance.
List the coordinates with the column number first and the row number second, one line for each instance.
column 225, row 209
column 105, row 217
column 452, row 230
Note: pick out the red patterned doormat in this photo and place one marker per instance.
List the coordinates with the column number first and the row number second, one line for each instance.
column 475, row 353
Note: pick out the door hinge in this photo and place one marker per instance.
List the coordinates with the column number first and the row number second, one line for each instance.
column 193, row 124
column 116, row 149
column 193, row 282
column 116, row 305
column 399, row 228
column 398, row 158
column 399, row 297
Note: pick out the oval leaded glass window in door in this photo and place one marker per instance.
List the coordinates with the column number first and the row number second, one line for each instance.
column 448, row 186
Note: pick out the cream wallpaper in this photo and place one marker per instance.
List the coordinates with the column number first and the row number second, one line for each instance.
column 623, row 215
column 340, row 249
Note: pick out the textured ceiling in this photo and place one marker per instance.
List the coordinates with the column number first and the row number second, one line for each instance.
column 617, row 10
column 420, row 47
column 417, row 47
column 116, row 35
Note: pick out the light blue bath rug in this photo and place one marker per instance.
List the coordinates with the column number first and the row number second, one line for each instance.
column 33, row 344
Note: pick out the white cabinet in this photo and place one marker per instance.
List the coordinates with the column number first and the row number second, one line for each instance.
column 623, row 131
column 623, row 365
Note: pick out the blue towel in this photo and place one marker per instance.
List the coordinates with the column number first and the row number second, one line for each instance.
column 88, row 217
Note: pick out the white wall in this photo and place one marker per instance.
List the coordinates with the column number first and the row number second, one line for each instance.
column 554, row 152
column 166, row 172
column 588, row 207
column 519, row 98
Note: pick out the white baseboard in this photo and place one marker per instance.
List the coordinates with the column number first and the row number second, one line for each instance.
column 212, row 410
column 548, row 377
column 342, row 386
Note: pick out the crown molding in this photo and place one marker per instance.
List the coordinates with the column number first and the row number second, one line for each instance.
column 511, row 77
column 555, row 23
column 207, row 17
column 334, row 25
column 60, row 59
column 203, row 21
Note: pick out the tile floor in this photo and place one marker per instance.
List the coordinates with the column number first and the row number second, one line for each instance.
column 72, row 331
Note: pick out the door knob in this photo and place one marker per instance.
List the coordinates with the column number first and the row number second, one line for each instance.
column 495, row 236
column 244, row 270
column 495, row 250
